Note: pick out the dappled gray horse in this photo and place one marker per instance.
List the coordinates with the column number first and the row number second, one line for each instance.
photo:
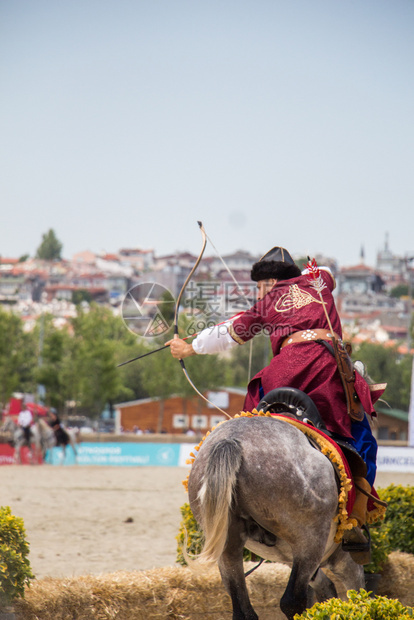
column 19, row 440
column 258, row 483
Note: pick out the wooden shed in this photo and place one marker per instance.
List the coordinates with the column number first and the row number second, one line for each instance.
column 177, row 415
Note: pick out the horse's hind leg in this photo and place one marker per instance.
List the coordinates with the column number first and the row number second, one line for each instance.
column 17, row 455
column 307, row 554
column 232, row 572
column 32, row 454
column 348, row 573
column 295, row 598
column 322, row 586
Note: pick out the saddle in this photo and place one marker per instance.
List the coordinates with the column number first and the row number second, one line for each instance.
column 294, row 403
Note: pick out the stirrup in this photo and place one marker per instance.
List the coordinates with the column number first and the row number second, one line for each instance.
column 355, row 546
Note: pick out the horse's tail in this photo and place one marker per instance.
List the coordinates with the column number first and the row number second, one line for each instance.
column 216, row 496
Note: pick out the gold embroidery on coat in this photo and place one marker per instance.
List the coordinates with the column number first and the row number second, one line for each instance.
column 234, row 335
column 296, row 298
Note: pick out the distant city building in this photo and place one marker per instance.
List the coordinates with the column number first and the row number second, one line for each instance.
column 394, row 269
column 366, row 308
column 359, row 279
column 387, row 262
column 363, row 303
column 82, row 258
column 240, row 261
column 141, row 260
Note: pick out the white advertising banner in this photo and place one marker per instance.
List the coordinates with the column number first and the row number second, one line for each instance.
column 184, row 455
column 395, row 459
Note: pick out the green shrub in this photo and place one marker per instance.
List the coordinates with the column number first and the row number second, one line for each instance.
column 399, row 518
column 380, row 547
column 195, row 538
column 396, row 531
column 15, row 571
column 359, row 606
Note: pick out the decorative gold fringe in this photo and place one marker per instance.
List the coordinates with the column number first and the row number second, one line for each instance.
column 329, row 450
column 377, row 514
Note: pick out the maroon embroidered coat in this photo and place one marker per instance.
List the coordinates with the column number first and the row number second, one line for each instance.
column 291, row 306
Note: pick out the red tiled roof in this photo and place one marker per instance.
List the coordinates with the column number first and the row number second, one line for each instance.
column 134, row 251
column 360, row 267
column 91, row 276
column 395, row 328
column 8, row 261
column 72, row 287
column 360, row 315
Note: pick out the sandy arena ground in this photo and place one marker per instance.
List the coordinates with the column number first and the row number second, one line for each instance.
column 92, row 520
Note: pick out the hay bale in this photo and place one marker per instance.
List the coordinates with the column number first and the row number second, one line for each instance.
column 178, row 594
column 266, row 587
column 119, row 595
column 397, row 579
column 157, row 594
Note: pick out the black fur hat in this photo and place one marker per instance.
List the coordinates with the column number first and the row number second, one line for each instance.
column 277, row 264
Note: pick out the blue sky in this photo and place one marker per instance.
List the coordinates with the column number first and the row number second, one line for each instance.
column 275, row 123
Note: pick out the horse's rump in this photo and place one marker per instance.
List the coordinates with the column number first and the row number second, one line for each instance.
column 264, row 470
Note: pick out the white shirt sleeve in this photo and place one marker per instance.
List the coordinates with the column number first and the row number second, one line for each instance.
column 214, row 340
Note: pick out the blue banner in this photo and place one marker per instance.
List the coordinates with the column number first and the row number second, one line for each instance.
column 162, row 454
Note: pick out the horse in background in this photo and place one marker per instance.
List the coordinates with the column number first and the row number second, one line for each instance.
column 258, row 483
column 61, row 438
column 19, row 440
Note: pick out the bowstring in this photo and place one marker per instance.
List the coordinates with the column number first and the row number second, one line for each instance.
column 249, row 370
column 184, row 369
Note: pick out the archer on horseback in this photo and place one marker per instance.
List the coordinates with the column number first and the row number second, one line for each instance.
column 298, row 312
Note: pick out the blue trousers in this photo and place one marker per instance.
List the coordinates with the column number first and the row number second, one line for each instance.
column 365, row 444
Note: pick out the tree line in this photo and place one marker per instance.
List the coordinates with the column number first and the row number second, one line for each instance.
column 77, row 364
